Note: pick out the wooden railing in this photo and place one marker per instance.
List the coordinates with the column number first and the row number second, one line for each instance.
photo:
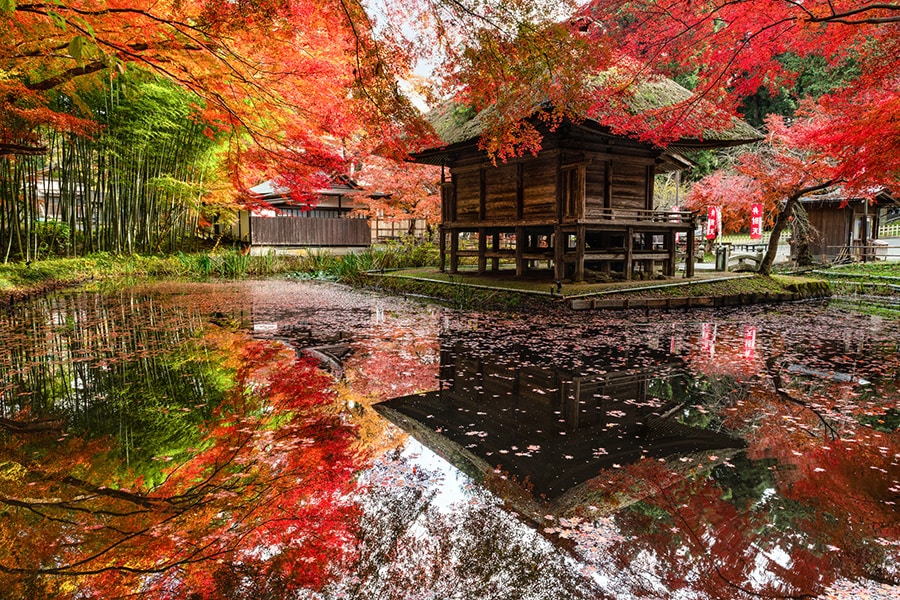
column 639, row 216
column 614, row 217
column 309, row 231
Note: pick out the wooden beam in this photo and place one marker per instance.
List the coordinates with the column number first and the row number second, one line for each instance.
column 482, row 194
column 582, row 192
column 442, row 245
column 560, row 209
column 607, row 185
column 520, row 190
column 579, row 254
column 454, row 250
column 521, row 242
column 559, row 249
column 689, row 264
column 629, row 252
column 670, row 244
column 495, row 246
column 482, row 250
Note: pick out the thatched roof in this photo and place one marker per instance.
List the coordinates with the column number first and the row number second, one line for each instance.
column 837, row 195
column 457, row 124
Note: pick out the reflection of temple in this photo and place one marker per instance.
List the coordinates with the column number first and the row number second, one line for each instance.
column 549, row 427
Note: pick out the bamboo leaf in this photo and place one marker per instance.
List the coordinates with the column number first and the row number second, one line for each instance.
column 57, row 19
column 76, row 46
column 7, row 6
column 84, row 24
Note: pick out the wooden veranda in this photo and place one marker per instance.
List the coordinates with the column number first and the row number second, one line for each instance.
column 623, row 241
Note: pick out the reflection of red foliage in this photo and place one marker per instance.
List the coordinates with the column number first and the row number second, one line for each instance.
column 263, row 505
column 801, row 515
column 854, row 501
column 400, row 360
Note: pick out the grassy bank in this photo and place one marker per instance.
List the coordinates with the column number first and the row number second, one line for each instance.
column 22, row 280
column 405, row 269
column 872, row 287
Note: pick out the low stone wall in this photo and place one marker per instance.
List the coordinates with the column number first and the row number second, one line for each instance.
column 462, row 296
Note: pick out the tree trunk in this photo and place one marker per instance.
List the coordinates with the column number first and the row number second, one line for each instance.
column 765, row 267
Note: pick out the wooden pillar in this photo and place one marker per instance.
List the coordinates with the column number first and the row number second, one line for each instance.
column 482, row 250
column 521, row 242
column 689, row 259
column 579, row 254
column 495, row 246
column 670, row 244
column 442, row 246
column 454, row 250
column 520, row 190
column 559, row 249
column 629, row 252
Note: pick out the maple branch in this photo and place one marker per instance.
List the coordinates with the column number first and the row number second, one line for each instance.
column 138, row 499
column 67, row 75
column 843, row 17
column 704, row 550
column 358, row 46
column 200, row 42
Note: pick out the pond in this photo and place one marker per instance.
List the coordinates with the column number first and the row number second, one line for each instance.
column 303, row 440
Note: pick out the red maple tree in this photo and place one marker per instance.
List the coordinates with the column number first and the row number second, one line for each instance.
column 288, row 81
column 262, row 506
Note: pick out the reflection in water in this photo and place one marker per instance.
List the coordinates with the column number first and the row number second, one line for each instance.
column 553, row 428
column 122, row 365
column 809, row 504
column 145, row 452
column 149, row 446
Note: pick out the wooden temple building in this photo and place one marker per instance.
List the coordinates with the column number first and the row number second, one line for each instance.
column 583, row 205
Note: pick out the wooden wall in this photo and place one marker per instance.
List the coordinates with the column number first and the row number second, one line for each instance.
column 596, row 192
column 611, row 176
column 629, row 186
column 539, row 188
column 468, row 194
column 309, row 231
column 501, row 191
column 829, row 227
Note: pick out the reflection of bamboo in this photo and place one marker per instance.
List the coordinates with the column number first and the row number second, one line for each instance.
column 82, row 354
column 773, row 369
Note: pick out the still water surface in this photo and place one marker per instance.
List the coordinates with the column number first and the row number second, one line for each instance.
column 280, row 440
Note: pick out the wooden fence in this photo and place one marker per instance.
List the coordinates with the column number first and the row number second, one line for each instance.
column 309, row 231
column 891, row 229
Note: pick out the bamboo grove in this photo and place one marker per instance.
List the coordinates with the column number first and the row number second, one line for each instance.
column 138, row 182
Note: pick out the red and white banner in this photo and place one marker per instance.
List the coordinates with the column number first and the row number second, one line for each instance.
column 708, row 341
column 756, row 221
column 713, row 222
column 749, row 342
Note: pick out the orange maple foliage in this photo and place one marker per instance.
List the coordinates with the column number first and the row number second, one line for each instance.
column 288, row 80
column 262, row 506
column 399, row 190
